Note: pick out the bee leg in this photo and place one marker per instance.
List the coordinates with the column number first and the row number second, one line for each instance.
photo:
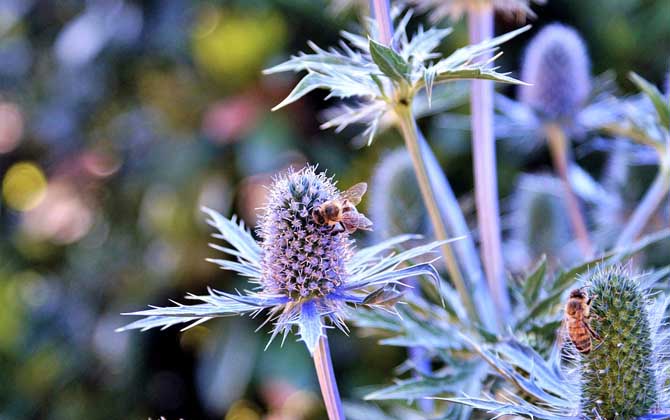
column 593, row 333
column 337, row 228
column 600, row 343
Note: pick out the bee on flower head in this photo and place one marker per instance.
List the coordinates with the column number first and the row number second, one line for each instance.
column 577, row 317
column 342, row 211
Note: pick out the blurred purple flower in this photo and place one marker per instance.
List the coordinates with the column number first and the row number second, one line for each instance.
column 305, row 273
column 556, row 66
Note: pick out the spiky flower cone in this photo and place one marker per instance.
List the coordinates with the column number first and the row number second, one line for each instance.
column 556, row 66
column 300, row 258
column 618, row 378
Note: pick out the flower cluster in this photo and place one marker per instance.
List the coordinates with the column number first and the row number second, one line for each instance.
column 301, row 259
column 305, row 274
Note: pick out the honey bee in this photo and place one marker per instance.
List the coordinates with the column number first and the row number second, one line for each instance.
column 576, row 322
column 342, row 212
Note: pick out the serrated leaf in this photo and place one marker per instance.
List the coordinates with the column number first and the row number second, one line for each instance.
column 389, row 62
column 533, row 283
column 476, row 73
column 310, row 82
column 656, row 97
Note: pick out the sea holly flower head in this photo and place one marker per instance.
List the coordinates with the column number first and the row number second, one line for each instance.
column 560, row 90
column 382, row 77
column 556, row 66
column 305, row 274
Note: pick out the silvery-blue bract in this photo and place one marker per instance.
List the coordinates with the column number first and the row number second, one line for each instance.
column 305, row 275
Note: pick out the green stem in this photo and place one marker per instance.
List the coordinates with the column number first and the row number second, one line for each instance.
column 324, row 371
column 409, row 132
column 558, row 146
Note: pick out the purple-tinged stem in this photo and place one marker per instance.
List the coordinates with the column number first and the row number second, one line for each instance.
column 324, row 371
column 381, row 11
column 647, row 207
column 558, row 146
column 480, row 27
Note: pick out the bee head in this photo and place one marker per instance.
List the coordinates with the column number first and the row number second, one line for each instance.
column 317, row 216
column 578, row 294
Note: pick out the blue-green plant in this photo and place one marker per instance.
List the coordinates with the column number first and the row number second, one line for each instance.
column 623, row 376
column 305, row 275
column 386, row 76
column 645, row 119
column 513, row 370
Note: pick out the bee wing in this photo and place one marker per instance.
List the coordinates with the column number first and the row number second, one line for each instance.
column 355, row 193
column 356, row 220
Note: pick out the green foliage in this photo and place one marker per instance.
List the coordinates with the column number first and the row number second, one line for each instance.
column 618, row 374
column 389, row 62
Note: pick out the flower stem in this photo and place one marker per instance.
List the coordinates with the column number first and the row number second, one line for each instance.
column 381, row 11
column 410, row 134
column 645, row 210
column 480, row 26
column 324, row 371
column 558, row 146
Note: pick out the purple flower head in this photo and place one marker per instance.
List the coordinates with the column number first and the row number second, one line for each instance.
column 304, row 275
column 282, row 226
column 556, row 65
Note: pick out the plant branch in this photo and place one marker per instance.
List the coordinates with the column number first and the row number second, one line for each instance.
column 324, row 371
column 480, row 25
column 409, row 130
column 633, row 134
column 558, row 146
column 647, row 207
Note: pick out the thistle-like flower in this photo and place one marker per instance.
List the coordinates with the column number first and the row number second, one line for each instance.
column 560, row 90
column 619, row 375
column 556, row 66
column 306, row 274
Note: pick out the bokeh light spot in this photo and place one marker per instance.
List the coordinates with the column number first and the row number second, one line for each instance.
column 24, row 186
column 242, row 410
column 11, row 127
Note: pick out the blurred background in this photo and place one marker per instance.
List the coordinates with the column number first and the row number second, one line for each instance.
column 120, row 119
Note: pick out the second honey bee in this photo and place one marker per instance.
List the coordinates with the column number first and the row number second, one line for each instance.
column 342, row 212
column 577, row 317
